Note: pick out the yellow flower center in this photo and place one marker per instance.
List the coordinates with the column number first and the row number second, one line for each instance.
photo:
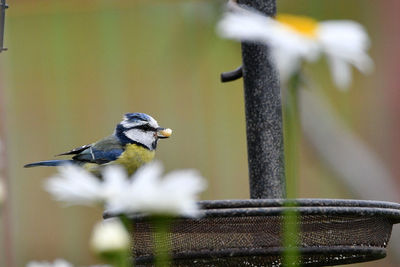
column 301, row 24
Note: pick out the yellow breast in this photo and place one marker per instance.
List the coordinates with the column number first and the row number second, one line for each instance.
column 134, row 156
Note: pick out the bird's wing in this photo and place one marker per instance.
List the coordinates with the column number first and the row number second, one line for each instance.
column 103, row 151
column 75, row 150
column 98, row 156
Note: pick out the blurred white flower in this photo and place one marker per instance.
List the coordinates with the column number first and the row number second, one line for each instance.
column 74, row 185
column 149, row 193
column 146, row 191
column 110, row 236
column 56, row 263
column 294, row 39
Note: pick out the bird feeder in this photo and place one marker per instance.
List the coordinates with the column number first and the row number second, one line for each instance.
column 250, row 232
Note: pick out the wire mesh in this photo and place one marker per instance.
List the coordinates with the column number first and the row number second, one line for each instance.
column 249, row 233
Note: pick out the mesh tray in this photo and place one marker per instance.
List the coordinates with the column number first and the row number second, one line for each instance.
column 249, row 233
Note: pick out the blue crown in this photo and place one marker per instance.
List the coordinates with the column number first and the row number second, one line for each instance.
column 137, row 116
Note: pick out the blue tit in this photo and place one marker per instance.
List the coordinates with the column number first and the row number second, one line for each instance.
column 132, row 144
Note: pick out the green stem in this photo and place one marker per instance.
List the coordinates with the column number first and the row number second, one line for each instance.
column 122, row 260
column 161, row 241
column 291, row 143
column 117, row 258
column 291, row 136
column 291, row 229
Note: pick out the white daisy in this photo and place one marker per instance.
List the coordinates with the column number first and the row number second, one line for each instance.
column 56, row 263
column 146, row 191
column 293, row 39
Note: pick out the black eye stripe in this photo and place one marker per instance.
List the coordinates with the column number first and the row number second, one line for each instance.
column 145, row 127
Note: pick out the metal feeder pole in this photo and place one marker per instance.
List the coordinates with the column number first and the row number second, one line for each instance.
column 3, row 7
column 263, row 115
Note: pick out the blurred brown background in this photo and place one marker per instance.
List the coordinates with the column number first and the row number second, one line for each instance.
column 75, row 67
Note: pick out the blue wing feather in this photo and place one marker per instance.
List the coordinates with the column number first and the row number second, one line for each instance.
column 98, row 156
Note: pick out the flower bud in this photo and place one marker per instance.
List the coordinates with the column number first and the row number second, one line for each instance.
column 110, row 236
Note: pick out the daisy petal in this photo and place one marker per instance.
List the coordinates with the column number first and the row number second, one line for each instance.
column 115, row 182
column 341, row 72
column 74, row 185
column 150, row 193
column 345, row 42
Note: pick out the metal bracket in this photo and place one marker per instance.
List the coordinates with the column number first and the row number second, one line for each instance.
column 3, row 7
column 232, row 75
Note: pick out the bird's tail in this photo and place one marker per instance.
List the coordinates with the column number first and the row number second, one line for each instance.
column 49, row 163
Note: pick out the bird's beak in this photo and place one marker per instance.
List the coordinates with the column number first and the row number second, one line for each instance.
column 163, row 132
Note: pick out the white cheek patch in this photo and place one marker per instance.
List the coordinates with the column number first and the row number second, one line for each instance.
column 145, row 138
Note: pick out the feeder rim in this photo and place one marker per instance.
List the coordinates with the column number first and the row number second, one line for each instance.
column 305, row 202
column 393, row 214
column 276, row 207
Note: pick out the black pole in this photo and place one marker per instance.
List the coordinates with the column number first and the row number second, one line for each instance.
column 263, row 114
column 3, row 6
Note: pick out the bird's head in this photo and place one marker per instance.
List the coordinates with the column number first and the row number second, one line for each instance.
column 140, row 129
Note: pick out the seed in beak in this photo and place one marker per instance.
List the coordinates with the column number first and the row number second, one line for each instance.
column 164, row 132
